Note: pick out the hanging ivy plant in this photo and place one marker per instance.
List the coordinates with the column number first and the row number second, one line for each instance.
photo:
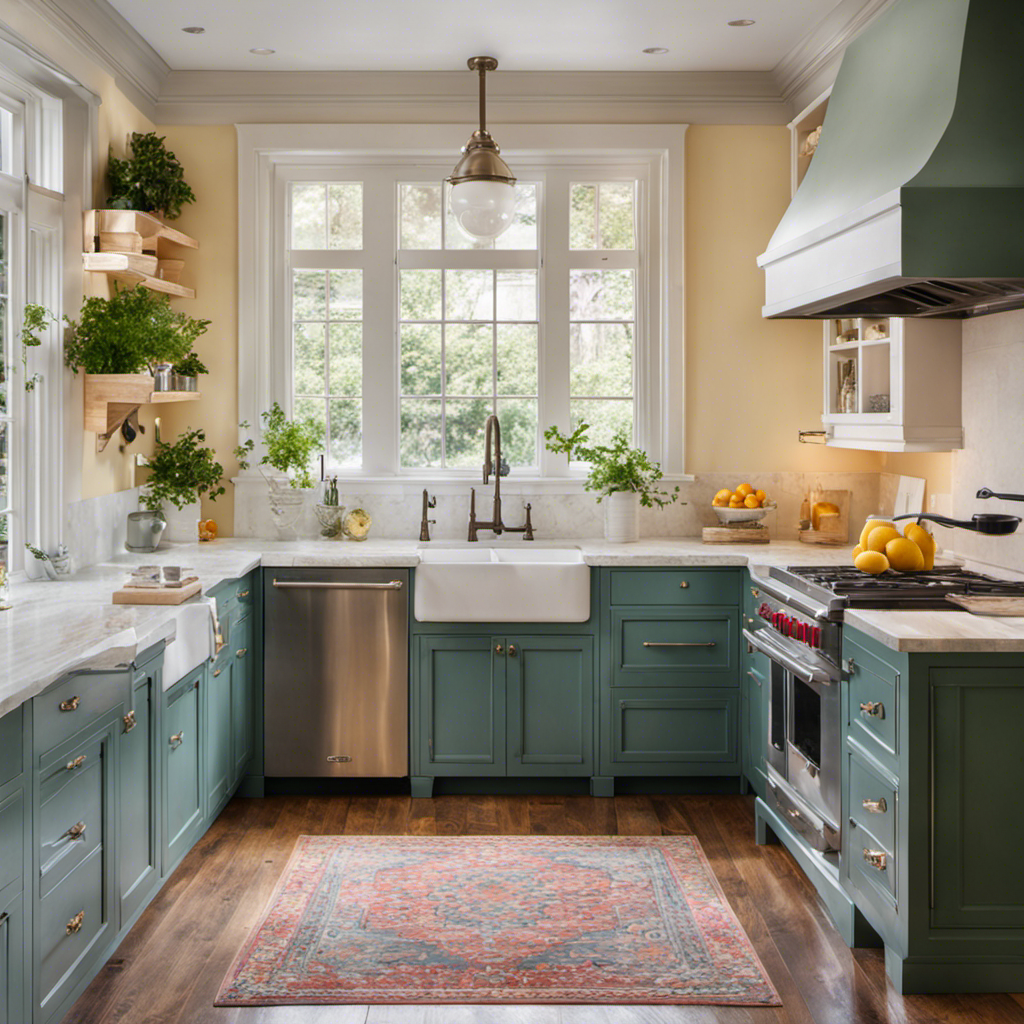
column 151, row 179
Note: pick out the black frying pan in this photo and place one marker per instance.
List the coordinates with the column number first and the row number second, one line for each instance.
column 980, row 522
column 987, row 492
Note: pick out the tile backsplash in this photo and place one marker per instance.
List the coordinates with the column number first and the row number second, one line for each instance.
column 96, row 528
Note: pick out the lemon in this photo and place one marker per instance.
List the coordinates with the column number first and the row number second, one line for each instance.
column 752, row 501
column 880, row 536
column 744, row 490
column 719, row 501
column 904, row 555
column 760, row 495
column 870, row 525
column 724, row 494
column 871, row 561
column 925, row 541
column 856, row 551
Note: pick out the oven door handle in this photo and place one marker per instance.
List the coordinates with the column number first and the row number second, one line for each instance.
column 785, row 659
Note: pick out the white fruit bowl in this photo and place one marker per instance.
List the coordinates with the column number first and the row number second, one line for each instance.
column 743, row 515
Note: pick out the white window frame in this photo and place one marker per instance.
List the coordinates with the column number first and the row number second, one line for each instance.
column 268, row 154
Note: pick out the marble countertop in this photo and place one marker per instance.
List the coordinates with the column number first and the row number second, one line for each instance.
column 57, row 627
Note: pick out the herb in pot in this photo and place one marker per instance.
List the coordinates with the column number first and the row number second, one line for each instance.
column 151, row 179
column 291, row 445
column 613, row 468
column 190, row 366
column 132, row 330
column 182, row 472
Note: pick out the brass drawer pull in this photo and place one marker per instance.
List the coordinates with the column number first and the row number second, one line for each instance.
column 75, row 832
column 512, row 652
column 71, row 704
column 177, row 739
column 217, row 672
column 498, row 649
column 241, row 652
column 76, row 763
column 874, row 708
column 875, row 858
column 667, row 643
column 243, row 593
column 75, row 924
column 684, row 584
column 878, row 806
column 129, row 721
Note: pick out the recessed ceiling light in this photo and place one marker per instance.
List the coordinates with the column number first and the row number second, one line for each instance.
column 262, row 51
column 655, row 49
column 194, row 30
column 742, row 22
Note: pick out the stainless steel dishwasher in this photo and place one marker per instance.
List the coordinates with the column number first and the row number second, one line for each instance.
column 336, row 672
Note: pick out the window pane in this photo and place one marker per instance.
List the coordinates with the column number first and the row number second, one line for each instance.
column 600, row 294
column 421, row 359
column 518, row 431
column 420, row 442
column 346, row 294
column 309, row 216
column 523, row 232
column 601, row 360
column 346, row 366
column 421, row 295
column 469, row 294
column 346, row 440
column 345, row 215
column 617, row 215
column 309, row 359
column 606, row 418
column 314, row 409
column 517, row 359
column 309, row 295
column 421, row 216
column 517, row 294
column 464, row 432
column 583, row 217
column 469, row 359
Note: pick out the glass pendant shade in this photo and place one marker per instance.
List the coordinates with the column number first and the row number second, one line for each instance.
column 483, row 209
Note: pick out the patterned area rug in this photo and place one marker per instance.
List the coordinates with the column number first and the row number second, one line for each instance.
column 497, row 919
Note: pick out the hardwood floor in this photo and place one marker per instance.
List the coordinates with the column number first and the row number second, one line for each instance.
column 168, row 969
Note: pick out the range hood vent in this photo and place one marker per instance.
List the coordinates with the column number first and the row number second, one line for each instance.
column 913, row 205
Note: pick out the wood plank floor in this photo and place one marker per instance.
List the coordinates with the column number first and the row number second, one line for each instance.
column 169, row 967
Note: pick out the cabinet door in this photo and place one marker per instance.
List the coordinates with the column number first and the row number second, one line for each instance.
column 242, row 699
column 12, row 960
column 755, row 689
column 138, row 846
column 181, row 742
column 461, row 706
column 217, row 706
column 550, row 684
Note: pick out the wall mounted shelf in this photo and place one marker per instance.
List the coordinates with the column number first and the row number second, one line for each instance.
column 110, row 398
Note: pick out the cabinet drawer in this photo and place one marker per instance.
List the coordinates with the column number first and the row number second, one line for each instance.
column 872, row 801
column 76, row 703
column 12, row 832
column 234, row 594
column 654, row 727
column 71, row 919
column 675, row 648
column 674, row 586
column 872, row 866
column 10, row 746
column 70, row 798
column 874, row 709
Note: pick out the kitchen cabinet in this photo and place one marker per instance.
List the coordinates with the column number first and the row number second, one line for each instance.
column 892, row 384
column 243, row 696
column 217, row 710
column 15, row 868
column 755, row 686
column 181, row 750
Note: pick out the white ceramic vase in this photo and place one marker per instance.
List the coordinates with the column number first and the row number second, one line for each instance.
column 182, row 523
column 622, row 517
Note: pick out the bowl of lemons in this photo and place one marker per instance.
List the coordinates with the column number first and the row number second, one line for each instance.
column 882, row 548
column 744, row 505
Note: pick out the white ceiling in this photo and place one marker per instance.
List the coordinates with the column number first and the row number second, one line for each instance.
column 430, row 35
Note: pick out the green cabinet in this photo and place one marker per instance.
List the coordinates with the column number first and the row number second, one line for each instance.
column 243, row 697
column 181, row 750
column 755, row 689
column 15, row 869
column 502, row 705
column 218, row 764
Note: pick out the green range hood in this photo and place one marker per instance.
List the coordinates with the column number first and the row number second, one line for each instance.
column 914, row 202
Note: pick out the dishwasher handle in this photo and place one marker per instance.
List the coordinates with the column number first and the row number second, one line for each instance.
column 301, row 585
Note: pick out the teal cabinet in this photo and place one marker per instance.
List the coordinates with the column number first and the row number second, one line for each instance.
column 219, row 765
column 15, row 869
column 13, row 962
column 138, row 831
column 180, row 742
column 243, row 698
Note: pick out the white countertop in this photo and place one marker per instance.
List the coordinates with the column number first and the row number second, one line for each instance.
column 57, row 627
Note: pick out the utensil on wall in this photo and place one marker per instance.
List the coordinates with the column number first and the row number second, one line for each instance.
column 981, row 522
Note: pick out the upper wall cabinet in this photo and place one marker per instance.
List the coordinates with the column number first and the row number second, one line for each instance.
column 892, row 385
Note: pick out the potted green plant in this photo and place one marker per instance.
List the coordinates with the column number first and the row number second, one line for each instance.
column 151, row 179
column 36, row 318
column 185, row 373
column 180, row 473
column 620, row 473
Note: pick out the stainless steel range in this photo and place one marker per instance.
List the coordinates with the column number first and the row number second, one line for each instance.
column 799, row 628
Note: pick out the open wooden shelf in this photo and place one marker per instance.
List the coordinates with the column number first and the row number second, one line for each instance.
column 155, row 234
column 130, row 268
column 110, row 398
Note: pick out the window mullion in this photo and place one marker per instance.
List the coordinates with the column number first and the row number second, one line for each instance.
column 553, row 379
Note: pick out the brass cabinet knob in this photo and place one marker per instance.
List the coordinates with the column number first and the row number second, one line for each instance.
column 241, row 652
column 684, row 584
column 76, row 763
column 875, row 858
column 177, row 739
column 874, row 708
column 217, row 672
column 878, row 806
column 512, row 652
column 243, row 593
column 71, row 704
column 129, row 721
column 75, row 924
column 498, row 649
column 75, row 832
column 755, row 593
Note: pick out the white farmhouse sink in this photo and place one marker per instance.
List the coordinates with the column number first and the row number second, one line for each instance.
column 192, row 643
column 481, row 584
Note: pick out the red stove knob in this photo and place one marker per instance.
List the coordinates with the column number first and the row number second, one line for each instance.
column 799, row 631
column 815, row 636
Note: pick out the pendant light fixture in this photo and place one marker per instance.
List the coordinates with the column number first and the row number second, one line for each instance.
column 483, row 194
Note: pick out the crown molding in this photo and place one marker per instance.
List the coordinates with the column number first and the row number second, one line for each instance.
column 96, row 28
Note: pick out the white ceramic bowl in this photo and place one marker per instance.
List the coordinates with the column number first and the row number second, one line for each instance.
column 743, row 515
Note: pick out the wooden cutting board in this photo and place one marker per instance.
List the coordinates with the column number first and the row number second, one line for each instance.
column 157, row 595
column 756, row 534
column 989, row 604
